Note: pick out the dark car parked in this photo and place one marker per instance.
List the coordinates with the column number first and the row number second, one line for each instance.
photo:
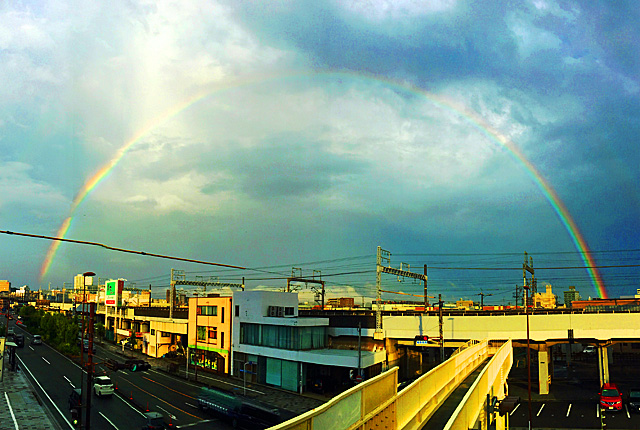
column 634, row 400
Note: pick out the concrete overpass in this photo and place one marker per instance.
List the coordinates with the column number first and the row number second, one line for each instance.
column 376, row 403
column 545, row 330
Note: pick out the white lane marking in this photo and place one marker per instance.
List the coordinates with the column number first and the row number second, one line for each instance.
column 196, row 423
column 109, row 421
column 627, row 409
column 173, row 417
column 193, row 406
column 31, row 347
column 70, row 383
column 569, row 410
column 45, row 393
column 514, row 409
column 129, row 404
column 597, row 411
column 541, row 408
column 15, row 422
column 46, row 361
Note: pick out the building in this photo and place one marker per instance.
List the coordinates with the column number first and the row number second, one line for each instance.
column 341, row 302
column 5, row 287
column 545, row 300
column 464, row 304
column 209, row 332
column 79, row 282
column 273, row 345
column 570, row 296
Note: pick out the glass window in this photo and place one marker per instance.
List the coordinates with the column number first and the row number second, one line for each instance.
column 201, row 333
column 213, row 332
column 288, row 310
column 207, row 310
column 237, row 310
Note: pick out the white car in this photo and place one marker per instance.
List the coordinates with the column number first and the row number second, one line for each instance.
column 590, row 349
column 103, row 386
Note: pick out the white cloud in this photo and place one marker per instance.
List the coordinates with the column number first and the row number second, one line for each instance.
column 397, row 9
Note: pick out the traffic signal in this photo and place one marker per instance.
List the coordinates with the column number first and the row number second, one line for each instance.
column 75, row 418
column 421, row 340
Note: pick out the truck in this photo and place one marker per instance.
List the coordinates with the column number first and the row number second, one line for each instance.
column 239, row 411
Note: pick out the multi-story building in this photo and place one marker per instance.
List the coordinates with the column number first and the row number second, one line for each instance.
column 545, row 300
column 570, row 296
column 5, row 287
column 209, row 332
column 273, row 345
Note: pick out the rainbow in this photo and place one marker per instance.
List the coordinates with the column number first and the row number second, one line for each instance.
column 446, row 104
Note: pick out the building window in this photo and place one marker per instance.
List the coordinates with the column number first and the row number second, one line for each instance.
column 201, row 333
column 207, row 310
column 165, row 334
column 153, row 332
column 213, row 332
column 222, row 339
column 283, row 337
column 237, row 310
column 222, row 315
column 288, row 310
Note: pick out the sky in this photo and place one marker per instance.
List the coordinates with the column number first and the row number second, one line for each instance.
column 293, row 138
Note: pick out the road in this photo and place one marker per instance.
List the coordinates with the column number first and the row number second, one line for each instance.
column 54, row 376
column 578, row 415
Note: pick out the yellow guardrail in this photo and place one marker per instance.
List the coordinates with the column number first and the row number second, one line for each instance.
column 491, row 381
column 377, row 402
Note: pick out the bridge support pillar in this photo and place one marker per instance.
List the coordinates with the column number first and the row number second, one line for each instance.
column 603, row 364
column 543, row 369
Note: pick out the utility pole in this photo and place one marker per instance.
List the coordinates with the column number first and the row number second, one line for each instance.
column 482, row 295
column 426, row 300
column 386, row 255
column 441, row 331
column 87, row 420
column 528, row 268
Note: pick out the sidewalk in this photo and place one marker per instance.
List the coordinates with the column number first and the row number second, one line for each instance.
column 19, row 406
column 285, row 400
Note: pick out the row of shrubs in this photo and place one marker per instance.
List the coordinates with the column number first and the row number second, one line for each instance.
column 58, row 330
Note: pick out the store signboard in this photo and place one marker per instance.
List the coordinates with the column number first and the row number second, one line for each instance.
column 113, row 292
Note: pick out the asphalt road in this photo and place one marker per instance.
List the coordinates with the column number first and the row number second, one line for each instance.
column 54, row 376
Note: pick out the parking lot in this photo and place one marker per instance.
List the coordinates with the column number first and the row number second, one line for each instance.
column 572, row 401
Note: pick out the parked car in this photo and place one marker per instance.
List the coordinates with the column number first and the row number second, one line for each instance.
column 610, row 397
column 589, row 349
column 36, row 339
column 103, row 386
column 634, row 399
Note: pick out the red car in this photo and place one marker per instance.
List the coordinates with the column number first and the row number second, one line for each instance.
column 610, row 397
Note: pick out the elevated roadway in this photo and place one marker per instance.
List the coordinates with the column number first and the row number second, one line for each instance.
column 473, row 380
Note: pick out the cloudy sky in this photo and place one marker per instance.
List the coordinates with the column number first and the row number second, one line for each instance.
column 282, row 134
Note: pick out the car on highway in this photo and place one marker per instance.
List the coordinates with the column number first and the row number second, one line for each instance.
column 19, row 340
column 36, row 339
column 102, row 386
column 634, row 400
column 154, row 421
column 75, row 398
column 610, row 397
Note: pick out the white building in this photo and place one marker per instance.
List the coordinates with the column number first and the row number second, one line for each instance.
column 272, row 345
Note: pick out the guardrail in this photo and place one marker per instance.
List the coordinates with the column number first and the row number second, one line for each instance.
column 376, row 402
column 479, row 399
